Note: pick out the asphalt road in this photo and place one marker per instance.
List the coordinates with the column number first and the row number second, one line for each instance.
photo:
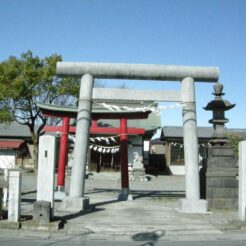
column 76, row 240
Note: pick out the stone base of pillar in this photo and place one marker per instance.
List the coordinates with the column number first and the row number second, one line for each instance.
column 193, row 206
column 125, row 195
column 75, row 204
column 59, row 193
column 221, row 184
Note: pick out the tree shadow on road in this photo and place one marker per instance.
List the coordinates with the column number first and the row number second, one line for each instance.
column 149, row 238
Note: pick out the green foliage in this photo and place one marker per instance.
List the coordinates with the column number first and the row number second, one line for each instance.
column 5, row 116
column 28, row 79
column 234, row 139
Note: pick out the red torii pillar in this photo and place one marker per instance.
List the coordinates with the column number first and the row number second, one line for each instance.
column 124, row 160
column 63, row 152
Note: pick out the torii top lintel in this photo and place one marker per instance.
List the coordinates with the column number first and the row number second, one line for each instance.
column 138, row 71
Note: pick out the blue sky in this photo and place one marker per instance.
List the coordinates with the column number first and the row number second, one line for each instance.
column 178, row 32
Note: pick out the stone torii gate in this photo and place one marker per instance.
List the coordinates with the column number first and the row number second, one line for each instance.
column 186, row 74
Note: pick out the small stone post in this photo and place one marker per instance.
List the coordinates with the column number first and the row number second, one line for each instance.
column 242, row 181
column 14, row 203
column 46, row 169
column 41, row 212
column 192, row 203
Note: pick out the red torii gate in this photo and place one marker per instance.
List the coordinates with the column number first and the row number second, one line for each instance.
column 66, row 113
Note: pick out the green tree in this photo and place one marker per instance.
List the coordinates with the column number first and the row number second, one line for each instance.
column 27, row 80
column 234, row 139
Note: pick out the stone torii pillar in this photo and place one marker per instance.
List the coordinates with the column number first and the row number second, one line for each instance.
column 192, row 203
column 186, row 74
column 76, row 200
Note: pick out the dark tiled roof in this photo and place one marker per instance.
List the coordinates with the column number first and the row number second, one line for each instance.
column 152, row 123
column 202, row 132
column 240, row 131
column 177, row 131
column 14, row 129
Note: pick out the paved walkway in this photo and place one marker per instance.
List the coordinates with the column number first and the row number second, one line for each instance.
column 152, row 213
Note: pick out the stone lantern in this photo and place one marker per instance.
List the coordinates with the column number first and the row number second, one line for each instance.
column 221, row 185
column 218, row 106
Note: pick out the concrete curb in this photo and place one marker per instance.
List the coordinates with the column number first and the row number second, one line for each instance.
column 53, row 226
column 4, row 224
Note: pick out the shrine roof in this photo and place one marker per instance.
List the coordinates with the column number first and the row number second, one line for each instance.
column 13, row 130
column 101, row 110
column 97, row 107
column 55, row 108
